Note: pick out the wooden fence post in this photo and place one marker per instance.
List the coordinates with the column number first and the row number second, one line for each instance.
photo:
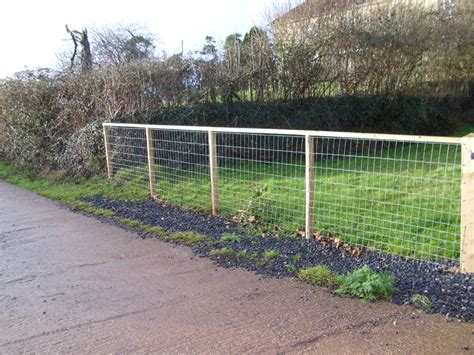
column 309, row 177
column 107, row 150
column 214, row 172
column 467, row 204
column 151, row 162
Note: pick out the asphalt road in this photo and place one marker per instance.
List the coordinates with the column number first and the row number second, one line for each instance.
column 72, row 284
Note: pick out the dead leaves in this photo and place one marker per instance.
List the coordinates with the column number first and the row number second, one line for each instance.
column 300, row 233
column 329, row 240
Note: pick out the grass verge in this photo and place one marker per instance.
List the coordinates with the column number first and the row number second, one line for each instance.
column 70, row 192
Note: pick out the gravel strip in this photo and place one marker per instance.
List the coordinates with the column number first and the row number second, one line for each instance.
column 451, row 293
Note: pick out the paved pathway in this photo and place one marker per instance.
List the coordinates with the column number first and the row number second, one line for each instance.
column 69, row 283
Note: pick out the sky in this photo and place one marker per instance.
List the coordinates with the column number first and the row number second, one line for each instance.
column 32, row 32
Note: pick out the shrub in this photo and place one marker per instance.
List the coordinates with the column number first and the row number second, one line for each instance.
column 83, row 149
column 367, row 284
column 320, row 275
column 376, row 113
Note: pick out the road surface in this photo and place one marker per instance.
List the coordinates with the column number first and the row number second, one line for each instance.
column 73, row 284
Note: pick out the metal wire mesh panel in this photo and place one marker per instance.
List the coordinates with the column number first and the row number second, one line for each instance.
column 128, row 155
column 261, row 178
column 402, row 197
column 181, row 161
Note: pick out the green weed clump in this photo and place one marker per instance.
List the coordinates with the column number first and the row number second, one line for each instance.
column 270, row 254
column 368, row 284
column 230, row 238
column 223, row 253
column 267, row 256
column 320, row 275
column 296, row 257
column 243, row 254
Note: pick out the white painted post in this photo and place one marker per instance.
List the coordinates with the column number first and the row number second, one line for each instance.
column 107, row 151
column 309, row 177
column 467, row 204
column 214, row 172
column 151, row 162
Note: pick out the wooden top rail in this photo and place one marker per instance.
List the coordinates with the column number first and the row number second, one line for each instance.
column 295, row 132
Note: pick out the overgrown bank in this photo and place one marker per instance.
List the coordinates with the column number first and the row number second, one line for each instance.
column 45, row 131
column 409, row 72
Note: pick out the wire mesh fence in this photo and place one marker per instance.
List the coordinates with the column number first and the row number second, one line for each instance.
column 391, row 193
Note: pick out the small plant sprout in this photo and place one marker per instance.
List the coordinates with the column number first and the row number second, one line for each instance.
column 296, row 257
column 291, row 268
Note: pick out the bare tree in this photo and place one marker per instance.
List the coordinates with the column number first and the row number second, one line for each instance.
column 122, row 45
column 81, row 38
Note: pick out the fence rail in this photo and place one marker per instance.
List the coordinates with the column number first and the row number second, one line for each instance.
column 411, row 195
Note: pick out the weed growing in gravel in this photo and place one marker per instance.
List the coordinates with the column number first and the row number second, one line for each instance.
column 296, row 257
column 320, row 275
column 421, row 301
column 223, row 253
column 291, row 268
column 267, row 255
column 242, row 254
column 368, row 284
column 254, row 255
column 271, row 254
column 230, row 238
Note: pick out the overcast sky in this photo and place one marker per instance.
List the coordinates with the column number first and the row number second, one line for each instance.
column 32, row 31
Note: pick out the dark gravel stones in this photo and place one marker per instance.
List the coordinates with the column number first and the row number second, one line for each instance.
column 450, row 292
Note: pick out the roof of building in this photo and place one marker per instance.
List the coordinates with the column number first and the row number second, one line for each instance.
column 315, row 8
